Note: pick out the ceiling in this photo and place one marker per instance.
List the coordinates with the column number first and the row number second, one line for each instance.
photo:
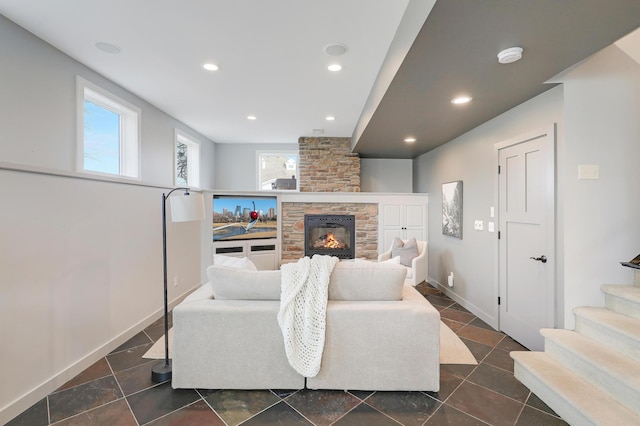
column 405, row 60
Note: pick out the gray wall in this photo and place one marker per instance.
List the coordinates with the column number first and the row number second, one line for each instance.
column 600, row 217
column 597, row 110
column 236, row 169
column 236, row 165
column 386, row 175
column 471, row 158
column 81, row 259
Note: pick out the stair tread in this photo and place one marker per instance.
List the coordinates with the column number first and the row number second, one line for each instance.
column 585, row 397
column 623, row 324
column 628, row 292
column 623, row 368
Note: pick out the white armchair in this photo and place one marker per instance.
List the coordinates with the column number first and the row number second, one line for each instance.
column 419, row 269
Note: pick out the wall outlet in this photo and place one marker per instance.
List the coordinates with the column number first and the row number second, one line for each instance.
column 175, row 281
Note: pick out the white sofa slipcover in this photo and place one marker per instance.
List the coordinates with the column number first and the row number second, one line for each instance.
column 381, row 334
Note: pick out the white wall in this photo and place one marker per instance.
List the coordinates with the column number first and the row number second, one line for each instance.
column 471, row 158
column 386, row 175
column 80, row 260
column 601, row 226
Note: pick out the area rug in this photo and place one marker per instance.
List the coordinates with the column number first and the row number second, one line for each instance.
column 452, row 349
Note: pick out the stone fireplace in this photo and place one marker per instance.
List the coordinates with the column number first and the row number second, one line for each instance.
column 365, row 231
column 332, row 235
column 327, row 164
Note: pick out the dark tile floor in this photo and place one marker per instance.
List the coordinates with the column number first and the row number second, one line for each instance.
column 117, row 390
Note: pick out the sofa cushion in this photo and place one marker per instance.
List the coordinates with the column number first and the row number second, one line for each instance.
column 234, row 262
column 229, row 283
column 363, row 281
column 406, row 250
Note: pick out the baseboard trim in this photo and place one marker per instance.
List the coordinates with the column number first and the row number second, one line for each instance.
column 22, row 403
column 484, row 316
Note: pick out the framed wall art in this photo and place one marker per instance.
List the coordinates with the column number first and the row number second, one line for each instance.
column 452, row 209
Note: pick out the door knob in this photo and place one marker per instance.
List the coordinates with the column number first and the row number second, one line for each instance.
column 542, row 258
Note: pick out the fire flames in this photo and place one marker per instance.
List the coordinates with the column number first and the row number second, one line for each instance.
column 328, row 241
column 332, row 242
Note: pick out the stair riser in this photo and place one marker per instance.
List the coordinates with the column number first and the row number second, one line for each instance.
column 608, row 337
column 622, row 306
column 615, row 386
column 563, row 408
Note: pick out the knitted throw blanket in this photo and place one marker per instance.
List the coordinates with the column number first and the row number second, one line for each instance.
column 303, row 308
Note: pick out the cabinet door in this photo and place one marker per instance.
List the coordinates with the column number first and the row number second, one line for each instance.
column 387, row 237
column 415, row 216
column 415, row 221
column 392, row 216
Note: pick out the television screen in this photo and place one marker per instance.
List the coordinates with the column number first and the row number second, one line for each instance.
column 244, row 217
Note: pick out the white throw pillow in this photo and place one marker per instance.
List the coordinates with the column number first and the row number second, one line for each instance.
column 407, row 251
column 234, row 262
column 229, row 283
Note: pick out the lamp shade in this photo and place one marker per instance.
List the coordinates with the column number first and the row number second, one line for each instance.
column 187, row 207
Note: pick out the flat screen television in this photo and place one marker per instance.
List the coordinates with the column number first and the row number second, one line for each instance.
column 244, row 217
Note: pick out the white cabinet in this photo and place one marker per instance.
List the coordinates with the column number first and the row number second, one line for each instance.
column 403, row 217
column 263, row 253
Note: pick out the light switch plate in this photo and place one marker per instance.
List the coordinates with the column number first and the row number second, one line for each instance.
column 588, row 171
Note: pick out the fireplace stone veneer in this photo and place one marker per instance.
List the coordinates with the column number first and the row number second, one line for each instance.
column 366, row 226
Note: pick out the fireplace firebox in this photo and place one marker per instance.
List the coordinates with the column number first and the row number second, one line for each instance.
column 332, row 235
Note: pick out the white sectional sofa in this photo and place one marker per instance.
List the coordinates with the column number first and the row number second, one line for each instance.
column 381, row 334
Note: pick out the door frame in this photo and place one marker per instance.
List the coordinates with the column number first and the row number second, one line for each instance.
column 550, row 133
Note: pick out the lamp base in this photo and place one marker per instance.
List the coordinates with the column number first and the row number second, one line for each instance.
column 161, row 372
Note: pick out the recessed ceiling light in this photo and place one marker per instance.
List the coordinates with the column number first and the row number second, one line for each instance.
column 461, row 100
column 509, row 55
column 410, row 139
column 251, row 117
column 334, row 67
column 335, row 49
column 210, row 67
column 108, row 47
column 330, row 118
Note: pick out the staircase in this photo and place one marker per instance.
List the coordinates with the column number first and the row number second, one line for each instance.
column 591, row 375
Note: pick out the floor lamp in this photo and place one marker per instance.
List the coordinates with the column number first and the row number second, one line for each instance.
column 184, row 208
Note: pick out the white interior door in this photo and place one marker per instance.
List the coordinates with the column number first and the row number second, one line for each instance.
column 526, row 245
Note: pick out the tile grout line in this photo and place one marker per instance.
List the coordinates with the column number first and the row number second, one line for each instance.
column 135, row 419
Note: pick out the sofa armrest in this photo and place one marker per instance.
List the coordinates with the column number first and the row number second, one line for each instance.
column 384, row 256
column 204, row 292
column 420, row 266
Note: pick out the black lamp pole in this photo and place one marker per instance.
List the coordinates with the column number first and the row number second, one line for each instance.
column 161, row 372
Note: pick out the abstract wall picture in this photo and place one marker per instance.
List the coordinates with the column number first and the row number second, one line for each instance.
column 452, row 209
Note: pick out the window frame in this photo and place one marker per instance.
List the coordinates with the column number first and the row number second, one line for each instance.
column 130, row 118
column 193, row 158
column 282, row 153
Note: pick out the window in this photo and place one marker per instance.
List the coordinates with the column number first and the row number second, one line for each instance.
column 108, row 132
column 187, row 161
column 278, row 170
